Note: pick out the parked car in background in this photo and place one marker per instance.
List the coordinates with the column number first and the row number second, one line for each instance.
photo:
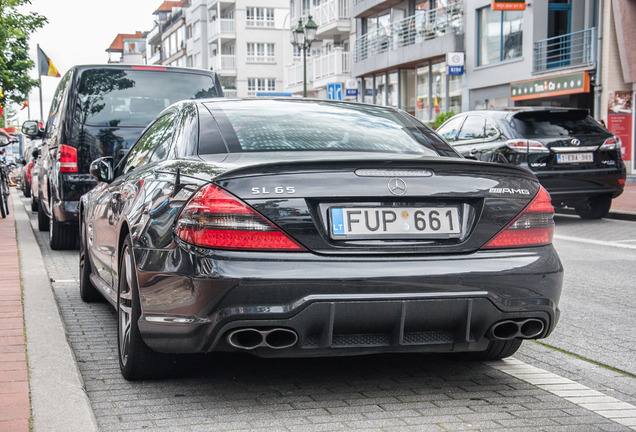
column 577, row 160
column 285, row 227
column 99, row 110
column 31, row 148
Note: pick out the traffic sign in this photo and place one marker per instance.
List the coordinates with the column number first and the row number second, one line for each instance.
column 334, row 91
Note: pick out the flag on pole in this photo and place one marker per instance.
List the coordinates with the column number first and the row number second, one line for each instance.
column 46, row 67
column 24, row 105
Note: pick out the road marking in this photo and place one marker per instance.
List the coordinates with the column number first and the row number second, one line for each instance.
column 595, row 242
column 578, row 394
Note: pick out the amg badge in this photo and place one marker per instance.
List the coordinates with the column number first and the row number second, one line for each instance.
column 509, row 191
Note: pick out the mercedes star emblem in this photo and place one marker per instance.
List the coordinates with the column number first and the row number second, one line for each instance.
column 397, row 186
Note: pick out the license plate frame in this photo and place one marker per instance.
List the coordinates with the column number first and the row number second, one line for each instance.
column 567, row 158
column 405, row 222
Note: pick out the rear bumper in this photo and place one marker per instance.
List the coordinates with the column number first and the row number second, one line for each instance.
column 344, row 307
column 577, row 185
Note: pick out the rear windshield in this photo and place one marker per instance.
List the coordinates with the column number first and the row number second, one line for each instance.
column 288, row 125
column 555, row 124
column 110, row 97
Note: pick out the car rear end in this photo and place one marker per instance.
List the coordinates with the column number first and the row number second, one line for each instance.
column 572, row 155
column 109, row 106
column 313, row 252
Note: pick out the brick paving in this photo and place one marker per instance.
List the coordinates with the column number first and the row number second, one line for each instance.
column 627, row 200
column 15, row 410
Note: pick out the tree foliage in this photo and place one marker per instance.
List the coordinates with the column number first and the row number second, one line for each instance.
column 15, row 29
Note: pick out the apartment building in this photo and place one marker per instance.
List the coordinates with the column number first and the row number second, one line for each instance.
column 127, row 48
column 329, row 59
column 400, row 54
column 245, row 42
column 167, row 40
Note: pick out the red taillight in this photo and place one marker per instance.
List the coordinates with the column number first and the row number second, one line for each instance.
column 29, row 167
column 533, row 227
column 216, row 219
column 612, row 143
column 526, row 146
column 67, row 157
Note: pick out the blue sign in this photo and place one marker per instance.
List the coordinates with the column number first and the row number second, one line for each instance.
column 351, row 92
column 456, row 70
column 334, row 91
column 370, row 92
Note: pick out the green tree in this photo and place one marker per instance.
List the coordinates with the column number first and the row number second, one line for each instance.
column 15, row 29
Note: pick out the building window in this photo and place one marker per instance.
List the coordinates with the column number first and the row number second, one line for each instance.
column 499, row 35
column 257, row 85
column 260, row 53
column 260, row 17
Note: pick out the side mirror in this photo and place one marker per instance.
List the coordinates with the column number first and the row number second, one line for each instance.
column 23, row 162
column 36, row 153
column 102, row 169
column 31, row 129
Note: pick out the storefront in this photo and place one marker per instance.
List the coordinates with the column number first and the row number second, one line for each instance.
column 424, row 90
column 568, row 90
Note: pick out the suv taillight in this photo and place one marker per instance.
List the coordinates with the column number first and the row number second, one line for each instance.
column 67, row 157
column 526, row 146
column 534, row 226
column 214, row 218
column 612, row 143
column 29, row 168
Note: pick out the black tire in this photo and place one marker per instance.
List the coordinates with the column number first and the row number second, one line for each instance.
column 595, row 207
column 4, row 205
column 61, row 236
column 496, row 350
column 34, row 204
column 88, row 292
column 136, row 360
column 43, row 219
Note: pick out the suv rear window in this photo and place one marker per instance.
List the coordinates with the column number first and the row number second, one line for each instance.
column 555, row 124
column 111, row 97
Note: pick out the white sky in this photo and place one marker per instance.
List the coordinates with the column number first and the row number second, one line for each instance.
column 79, row 32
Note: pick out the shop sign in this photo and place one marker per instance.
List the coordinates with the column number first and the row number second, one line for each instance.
column 351, row 92
column 619, row 120
column 550, row 86
column 508, row 4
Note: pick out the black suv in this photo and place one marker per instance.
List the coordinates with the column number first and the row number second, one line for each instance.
column 577, row 160
column 100, row 110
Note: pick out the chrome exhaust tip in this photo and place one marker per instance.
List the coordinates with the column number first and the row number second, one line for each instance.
column 511, row 329
column 251, row 338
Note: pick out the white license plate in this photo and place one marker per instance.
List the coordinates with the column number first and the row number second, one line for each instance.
column 369, row 222
column 575, row 157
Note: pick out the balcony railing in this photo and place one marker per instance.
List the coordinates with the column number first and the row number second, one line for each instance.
column 411, row 30
column 337, row 62
column 572, row 49
column 295, row 73
column 330, row 11
column 224, row 62
column 223, row 25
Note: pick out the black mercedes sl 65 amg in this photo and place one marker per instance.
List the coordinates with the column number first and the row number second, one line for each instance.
column 294, row 227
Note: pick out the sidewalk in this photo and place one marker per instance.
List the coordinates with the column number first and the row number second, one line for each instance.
column 15, row 410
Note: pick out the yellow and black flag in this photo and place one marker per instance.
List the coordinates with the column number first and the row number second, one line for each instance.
column 46, row 67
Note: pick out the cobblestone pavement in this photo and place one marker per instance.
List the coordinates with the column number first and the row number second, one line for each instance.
column 235, row 393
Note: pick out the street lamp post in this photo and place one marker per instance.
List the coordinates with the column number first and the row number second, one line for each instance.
column 304, row 36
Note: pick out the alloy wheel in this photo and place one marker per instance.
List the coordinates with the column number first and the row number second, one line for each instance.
column 125, row 307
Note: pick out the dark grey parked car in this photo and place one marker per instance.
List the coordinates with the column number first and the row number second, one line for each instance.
column 313, row 228
column 576, row 159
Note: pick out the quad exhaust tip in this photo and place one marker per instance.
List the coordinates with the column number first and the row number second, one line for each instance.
column 511, row 329
column 251, row 338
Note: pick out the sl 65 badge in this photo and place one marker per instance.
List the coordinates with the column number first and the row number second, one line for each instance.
column 278, row 190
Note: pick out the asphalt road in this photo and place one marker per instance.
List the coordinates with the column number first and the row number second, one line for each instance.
column 592, row 349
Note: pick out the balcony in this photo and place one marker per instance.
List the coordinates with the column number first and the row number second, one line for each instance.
column 294, row 75
column 222, row 28
column 225, row 64
column 333, row 67
column 572, row 50
column 333, row 17
column 411, row 30
column 408, row 40
column 155, row 58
